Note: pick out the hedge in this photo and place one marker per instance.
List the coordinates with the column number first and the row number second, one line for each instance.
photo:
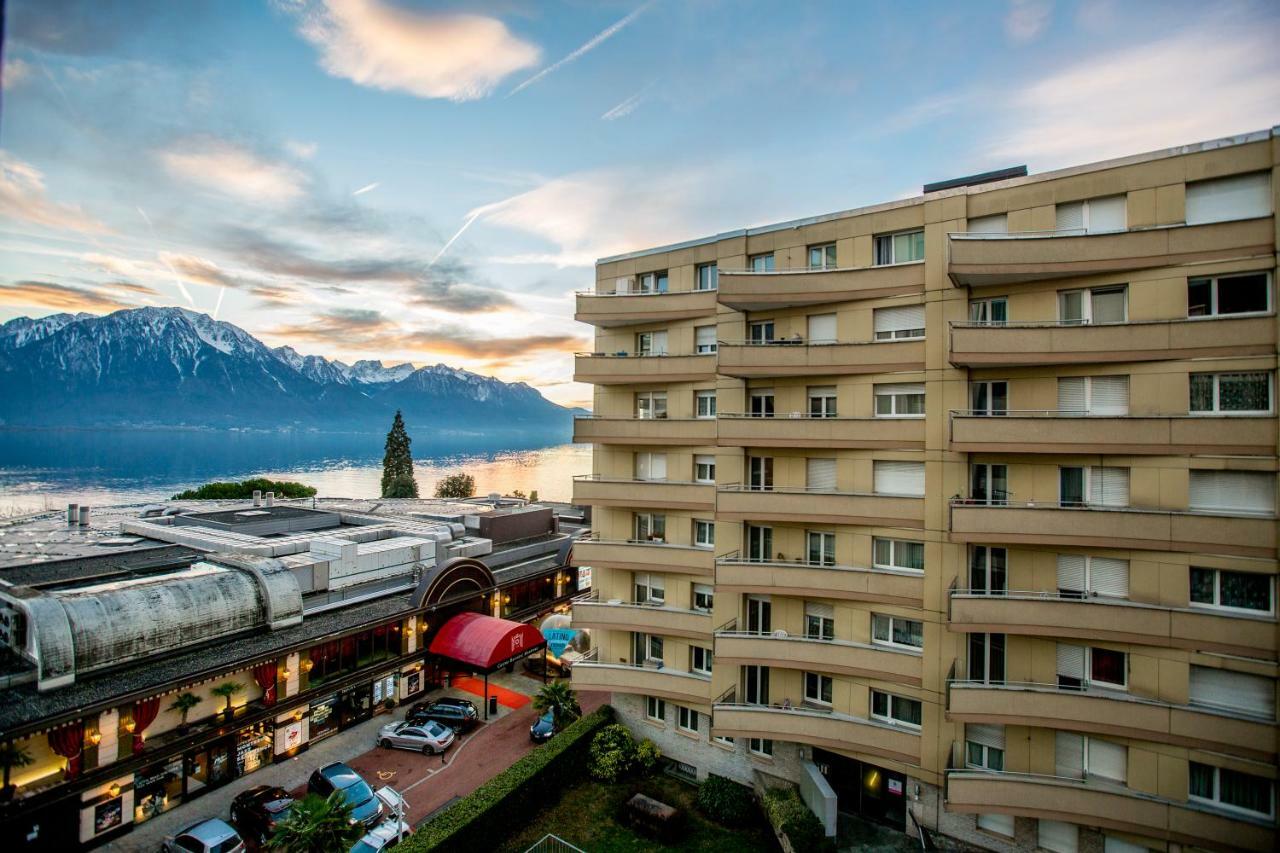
column 725, row 801
column 485, row 818
column 789, row 816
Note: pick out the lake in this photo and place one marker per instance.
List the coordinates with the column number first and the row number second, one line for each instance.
column 50, row 468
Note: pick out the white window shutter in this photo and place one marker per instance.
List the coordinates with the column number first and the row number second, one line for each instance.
column 1071, row 395
column 1223, row 199
column 900, row 388
column 704, row 336
column 1002, row 824
column 1107, row 214
column 822, row 611
column 987, row 734
column 1109, row 395
column 1234, row 691
column 1233, row 491
column 622, row 285
column 822, row 329
column 1071, row 216
column 659, row 345
column 899, row 478
column 899, row 318
column 1058, row 836
column 1071, row 661
column 1109, row 576
column 1068, row 756
column 821, row 474
column 1070, row 578
column 1109, row 486
column 1108, row 760
column 1111, row 844
column 996, row 223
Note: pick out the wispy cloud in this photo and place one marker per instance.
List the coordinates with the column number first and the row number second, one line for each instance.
column 233, row 170
column 200, row 270
column 14, row 73
column 302, row 150
column 61, row 297
column 367, row 188
column 1027, row 19
column 456, row 56
column 590, row 45
column 23, row 197
column 627, row 106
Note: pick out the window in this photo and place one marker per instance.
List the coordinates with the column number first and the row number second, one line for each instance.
column 905, row 322
column 984, row 746
column 704, row 468
column 1096, row 486
column 653, row 282
column 898, row 478
column 724, row 741
column 820, row 548
column 686, row 719
column 760, row 473
column 760, row 332
column 817, row 688
column 897, row 710
column 1246, row 591
column 1231, row 789
column 655, row 708
column 1080, row 576
column 897, row 631
column 989, row 484
column 1000, row 824
column 1057, row 836
column 899, row 248
column 820, row 475
column 1223, row 199
column 1081, row 667
column 988, row 570
column 1100, row 305
column 651, row 405
column 760, row 403
column 651, row 466
column 647, row 648
column 1093, row 395
column 900, row 400
column 996, row 223
column 989, row 312
column 897, row 554
column 706, row 277
column 704, row 533
column 822, row 328
column 704, row 404
column 1230, row 393
column 650, row 588
column 757, row 684
column 822, row 257
column 987, row 658
column 761, row 263
column 1235, row 492
column 1093, row 215
column 1080, row 757
column 759, row 542
column 651, row 343
column 650, row 527
column 1229, row 294
column 704, row 339
column 989, row 398
column 760, row 746
column 822, row 401
column 703, row 596
column 1241, row 692
column 700, row 660
column 819, row 621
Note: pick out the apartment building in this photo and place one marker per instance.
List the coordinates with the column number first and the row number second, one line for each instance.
column 956, row 511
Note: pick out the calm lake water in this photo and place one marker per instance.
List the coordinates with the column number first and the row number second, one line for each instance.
column 48, row 469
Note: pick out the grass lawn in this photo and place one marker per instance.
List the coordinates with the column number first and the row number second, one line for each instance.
column 587, row 816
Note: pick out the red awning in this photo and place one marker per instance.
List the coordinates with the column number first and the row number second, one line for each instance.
column 484, row 642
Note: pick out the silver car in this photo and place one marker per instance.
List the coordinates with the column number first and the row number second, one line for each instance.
column 208, row 836
column 428, row 738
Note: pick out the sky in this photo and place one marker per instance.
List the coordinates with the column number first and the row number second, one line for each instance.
column 432, row 182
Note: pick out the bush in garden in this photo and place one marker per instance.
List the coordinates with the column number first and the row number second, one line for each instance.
column 790, row 816
column 613, row 753
column 647, row 755
column 725, row 801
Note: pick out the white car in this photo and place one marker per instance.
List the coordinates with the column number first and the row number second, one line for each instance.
column 428, row 737
column 384, row 836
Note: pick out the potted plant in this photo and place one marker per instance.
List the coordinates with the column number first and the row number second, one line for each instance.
column 183, row 703
column 226, row 690
column 11, row 756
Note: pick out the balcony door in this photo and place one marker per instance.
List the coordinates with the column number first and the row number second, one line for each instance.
column 759, row 543
column 651, row 405
column 650, row 527
column 760, row 332
column 1097, row 486
column 986, row 658
column 760, row 473
column 988, row 570
column 755, row 684
column 759, row 614
column 989, row 398
column 989, row 483
column 761, row 403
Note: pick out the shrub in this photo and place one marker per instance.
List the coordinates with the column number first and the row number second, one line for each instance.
column 401, row 487
column 791, row 817
column 613, row 753
column 647, row 755
column 725, row 801
column 456, row 486
column 225, row 491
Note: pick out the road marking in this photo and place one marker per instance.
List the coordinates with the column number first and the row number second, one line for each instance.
column 456, row 753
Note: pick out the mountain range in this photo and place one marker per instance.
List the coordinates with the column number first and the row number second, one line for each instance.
column 170, row 367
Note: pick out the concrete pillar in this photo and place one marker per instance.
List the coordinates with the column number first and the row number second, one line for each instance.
column 411, row 635
column 109, row 728
column 292, row 664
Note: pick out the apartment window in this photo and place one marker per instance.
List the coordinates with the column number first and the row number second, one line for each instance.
column 899, row 248
column 898, row 478
column 1224, row 199
column 703, row 596
column 759, row 542
column 1000, row 824
column 822, row 257
column 820, row 475
column 704, row 339
column 760, row 621
column 686, row 719
column 817, row 688
column 761, row 263
column 897, row 554
column 989, row 484
column 760, row 403
column 819, row 621
column 1101, row 396
column 984, row 746
column 1057, row 836
column 651, row 343
column 1099, row 305
column 988, row 570
column 1224, row 295
column 1230, row 393
column 655, row 708
column 1240, row 692
column 900, row 400
column 1232, row 790
column 1092, row 215
column 760, row 473
column 822, row 401
column 647, row 648
column 1247, row 592
column 898, row 710
column 989, row 312
column 760, row 332
column 1080, row 576
column 822, row 329
column 704, row 533
column 651, row 405
column 904, row 322
column 653, row 282
column 1095, row 486
column 700, row 660
column 1080, row 757
column 706, row 277
column 1234, row 492
column 1081, row 667
column 724, row 741
column 651, row 466
column 990, row 398
column 704, row 404
column 987, row 658
column 650, row 527
column 996, row 223
column 704, row 468
column 897, row 631
column 820, row 548
column 650, row 588
column 760, row 746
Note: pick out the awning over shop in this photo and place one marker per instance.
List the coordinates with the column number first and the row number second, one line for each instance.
column 485, row 643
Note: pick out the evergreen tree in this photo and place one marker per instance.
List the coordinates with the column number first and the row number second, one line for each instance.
column 397, row 463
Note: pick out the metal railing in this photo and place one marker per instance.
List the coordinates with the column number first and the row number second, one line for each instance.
column 802, row 490
column 553, row 844
column 785, row 416
column 807, row 270
column 1094, row 507
column 651, row 543
column 625, row 354
column 1068, row 324
column 600, row 478
column 801, row 342
column 642, row 292
column 735, row 559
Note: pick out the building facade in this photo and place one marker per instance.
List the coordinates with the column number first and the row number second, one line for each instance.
column 957, row 511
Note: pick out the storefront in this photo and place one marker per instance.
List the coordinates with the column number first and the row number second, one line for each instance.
column 384, row 688
column 412, row 680
column 324, row 718
column 254, row 746
column 210, row 767
column 355, row 705
column 157, row 788
column 292, row 734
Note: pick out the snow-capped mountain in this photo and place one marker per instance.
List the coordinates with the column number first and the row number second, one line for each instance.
column 174, row 367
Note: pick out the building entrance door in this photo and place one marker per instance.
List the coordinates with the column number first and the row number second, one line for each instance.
column 865, row 790
column 356, row 704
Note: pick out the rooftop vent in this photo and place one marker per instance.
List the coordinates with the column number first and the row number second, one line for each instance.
column 983, row 178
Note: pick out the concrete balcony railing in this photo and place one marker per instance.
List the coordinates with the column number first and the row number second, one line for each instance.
column 837, row 657
column 1049, row 523
column 595, row 490
column 737, row 575
column 607, row 310
column 744, row 290
column 988, row 259
column 631, row 555
column 800, row 429
column 1026, row 344
column 687, row 688
column 648, row 618
column 1103, row 805
column 1113, row 713
column 746, row 359
column 590, row 429
column 1113, row 620
column 827, row 729
column 597, row 368
column 804, row 506
column 1074, row 432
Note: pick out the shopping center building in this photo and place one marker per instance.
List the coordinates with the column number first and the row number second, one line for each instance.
column 957, row 511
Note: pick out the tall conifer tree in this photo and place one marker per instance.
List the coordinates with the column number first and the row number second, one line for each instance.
column 397, row 463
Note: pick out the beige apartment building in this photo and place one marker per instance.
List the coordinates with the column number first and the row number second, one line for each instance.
column 957, row 511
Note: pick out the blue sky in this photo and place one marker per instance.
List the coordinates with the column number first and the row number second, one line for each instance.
column 430, row 182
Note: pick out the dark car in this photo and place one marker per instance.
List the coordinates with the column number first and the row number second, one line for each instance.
column 256, row 812
column 458, row 714
column 543, row 728
column 365, row 807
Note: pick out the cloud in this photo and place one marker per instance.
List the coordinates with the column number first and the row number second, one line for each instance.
column 61, row 297
column 1027, row 19
column 367, row 188
column 199, row 270
column 626, row 107
column 456, row 56
column 591, row 44
column 22, row 197
column 14, row 72
column 302, row 150
column 233, row 170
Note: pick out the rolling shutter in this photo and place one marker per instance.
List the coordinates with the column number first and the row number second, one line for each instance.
column 822, row 328
column 987, row 734
column 1118, row 845
column 1070, row 579
column 1071, row 661
column 659, row 345
column 1108, row 760
column 821, row 611
column 1109, row 395
column 704, row 339
column 1068, row 754
column 1109, row 576
column 899, row 478
column 821, row 474
column 1238, row 491
column 1071, row 216
column 1107, row 214
column 1072, row 396
column 1058, row 836
column 1235, row 691
column 1237, row 197
column 899, row 319
column 1001, row 824
column 997, row 223
column 622, row 285
column 1109, row 486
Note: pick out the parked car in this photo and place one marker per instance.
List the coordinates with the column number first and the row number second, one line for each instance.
column 365, row 807
column 256, row 812
column 384, row 836
column 543, row 728
column 207, row 836
column 457, row 714
column 428, row 737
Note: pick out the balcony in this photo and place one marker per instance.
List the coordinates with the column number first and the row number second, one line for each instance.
column 747, row 359
column 632, row 555
column 800, row 429
column 590, row 429
column 597, row 368
column 1049, row 523
column 594, row 490
column 737, row 575
column 837, row 657
column 804, row 506
column 1107, row 806
column 826, row 729
column 1029, row 344
column 987, row 259
column 687, row 688
column 649, row 618
column 1111, row 713
column 744, row 290
column 1071, row 432
column 607, row 310
column 1114, row 620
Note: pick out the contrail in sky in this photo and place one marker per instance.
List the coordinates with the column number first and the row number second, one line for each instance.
column 600, row 37
column 366, row 188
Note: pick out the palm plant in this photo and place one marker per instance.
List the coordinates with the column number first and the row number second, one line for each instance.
column 317, row 825
column 226, row 690
column 12, row 755
column 558, row 698
column 183, row 703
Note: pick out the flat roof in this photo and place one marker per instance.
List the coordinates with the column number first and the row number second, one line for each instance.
column 253, row 514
